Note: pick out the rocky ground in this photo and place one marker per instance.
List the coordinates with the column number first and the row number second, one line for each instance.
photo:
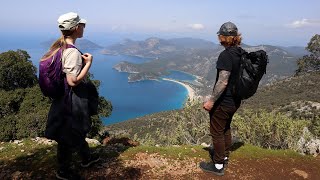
column 125, row 159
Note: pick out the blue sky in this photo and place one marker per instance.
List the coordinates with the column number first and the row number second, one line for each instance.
column 275, row 22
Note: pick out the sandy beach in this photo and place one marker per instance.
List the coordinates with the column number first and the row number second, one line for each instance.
column 191, row 92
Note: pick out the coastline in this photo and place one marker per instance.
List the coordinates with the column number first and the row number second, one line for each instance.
column 191, row 92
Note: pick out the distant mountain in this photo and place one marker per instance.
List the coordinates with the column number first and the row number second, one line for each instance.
column 87, row 44
column 195, row 56
column 156, row 47
column 82, row 44
column 296, row 50
column 193, row 43
column 281, row 62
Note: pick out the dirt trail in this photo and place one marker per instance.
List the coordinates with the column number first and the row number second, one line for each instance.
column 118, row 163
column 155, row 166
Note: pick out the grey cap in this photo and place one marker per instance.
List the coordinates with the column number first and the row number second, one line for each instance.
column 69, row 20
column 228, row 29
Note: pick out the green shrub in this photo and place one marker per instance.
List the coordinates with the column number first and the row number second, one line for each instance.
column 8, row 128
column 10, row 101
column 315, row 126
column 31, row 124
column 33, row 114
column 268, row 130
column 16, row 70
column 184, row 127
column 34, row 101
column 192, row 124
column 96, row 127
column 147, row 140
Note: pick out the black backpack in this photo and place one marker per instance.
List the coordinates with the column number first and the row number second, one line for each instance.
column 253, row 66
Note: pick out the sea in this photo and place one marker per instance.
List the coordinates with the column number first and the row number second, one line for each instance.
column 129, row 100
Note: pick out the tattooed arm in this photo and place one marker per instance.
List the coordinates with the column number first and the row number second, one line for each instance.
column 218, row 89
column 220, row 85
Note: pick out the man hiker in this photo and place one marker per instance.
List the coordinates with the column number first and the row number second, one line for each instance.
column 223, row 104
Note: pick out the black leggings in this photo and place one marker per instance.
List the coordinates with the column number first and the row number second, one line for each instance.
column 65, row 150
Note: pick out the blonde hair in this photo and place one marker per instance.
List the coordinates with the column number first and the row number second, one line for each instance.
column 59, row 43
column 229, row 41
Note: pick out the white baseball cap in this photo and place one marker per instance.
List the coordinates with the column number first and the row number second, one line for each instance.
column 69, row 20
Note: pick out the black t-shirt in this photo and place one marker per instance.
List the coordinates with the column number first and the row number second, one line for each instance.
column 229, row 60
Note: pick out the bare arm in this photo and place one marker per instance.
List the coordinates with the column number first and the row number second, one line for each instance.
column 218, row 89
column 220, row 86
column 75, row 80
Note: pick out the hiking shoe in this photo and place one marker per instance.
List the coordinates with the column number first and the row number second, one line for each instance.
column 67, row 175
column 225, row 163
column 93, row 159
column 210, row 167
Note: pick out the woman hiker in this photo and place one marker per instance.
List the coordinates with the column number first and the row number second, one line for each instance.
column 69, row 116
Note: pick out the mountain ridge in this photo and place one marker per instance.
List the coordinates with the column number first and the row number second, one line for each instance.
column 83, row 44
column 193, row 56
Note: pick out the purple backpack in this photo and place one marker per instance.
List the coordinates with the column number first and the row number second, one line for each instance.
column 51, row 77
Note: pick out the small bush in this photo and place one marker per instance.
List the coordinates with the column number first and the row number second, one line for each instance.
column 315, row 126
column 189, row 126
column 96, row 127
column 31, row 124
column 269, row 130
column 7, row 128
column 33, row 114
column 193, row 124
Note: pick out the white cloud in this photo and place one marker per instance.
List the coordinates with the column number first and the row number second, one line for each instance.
column 196, row 26
column 304, row 23
column 119, row 28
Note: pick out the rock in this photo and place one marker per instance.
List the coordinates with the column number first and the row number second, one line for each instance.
column 301, row 144
column 42, row 140
column 313, row 147
column 1, row 148
column 301, row 173
column 17, row 142
column 16, row 175
column 307, row 144
column 93, row 141
column 133, row 143
column 125, row 141
column 105, row 141
column 205, row 145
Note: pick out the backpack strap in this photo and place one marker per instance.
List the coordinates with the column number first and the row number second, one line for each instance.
column 65, row 79
column 73, row 46
column 235, row 87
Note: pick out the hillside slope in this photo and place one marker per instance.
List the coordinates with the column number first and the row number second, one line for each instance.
column 288, row 96
column 281, row 93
